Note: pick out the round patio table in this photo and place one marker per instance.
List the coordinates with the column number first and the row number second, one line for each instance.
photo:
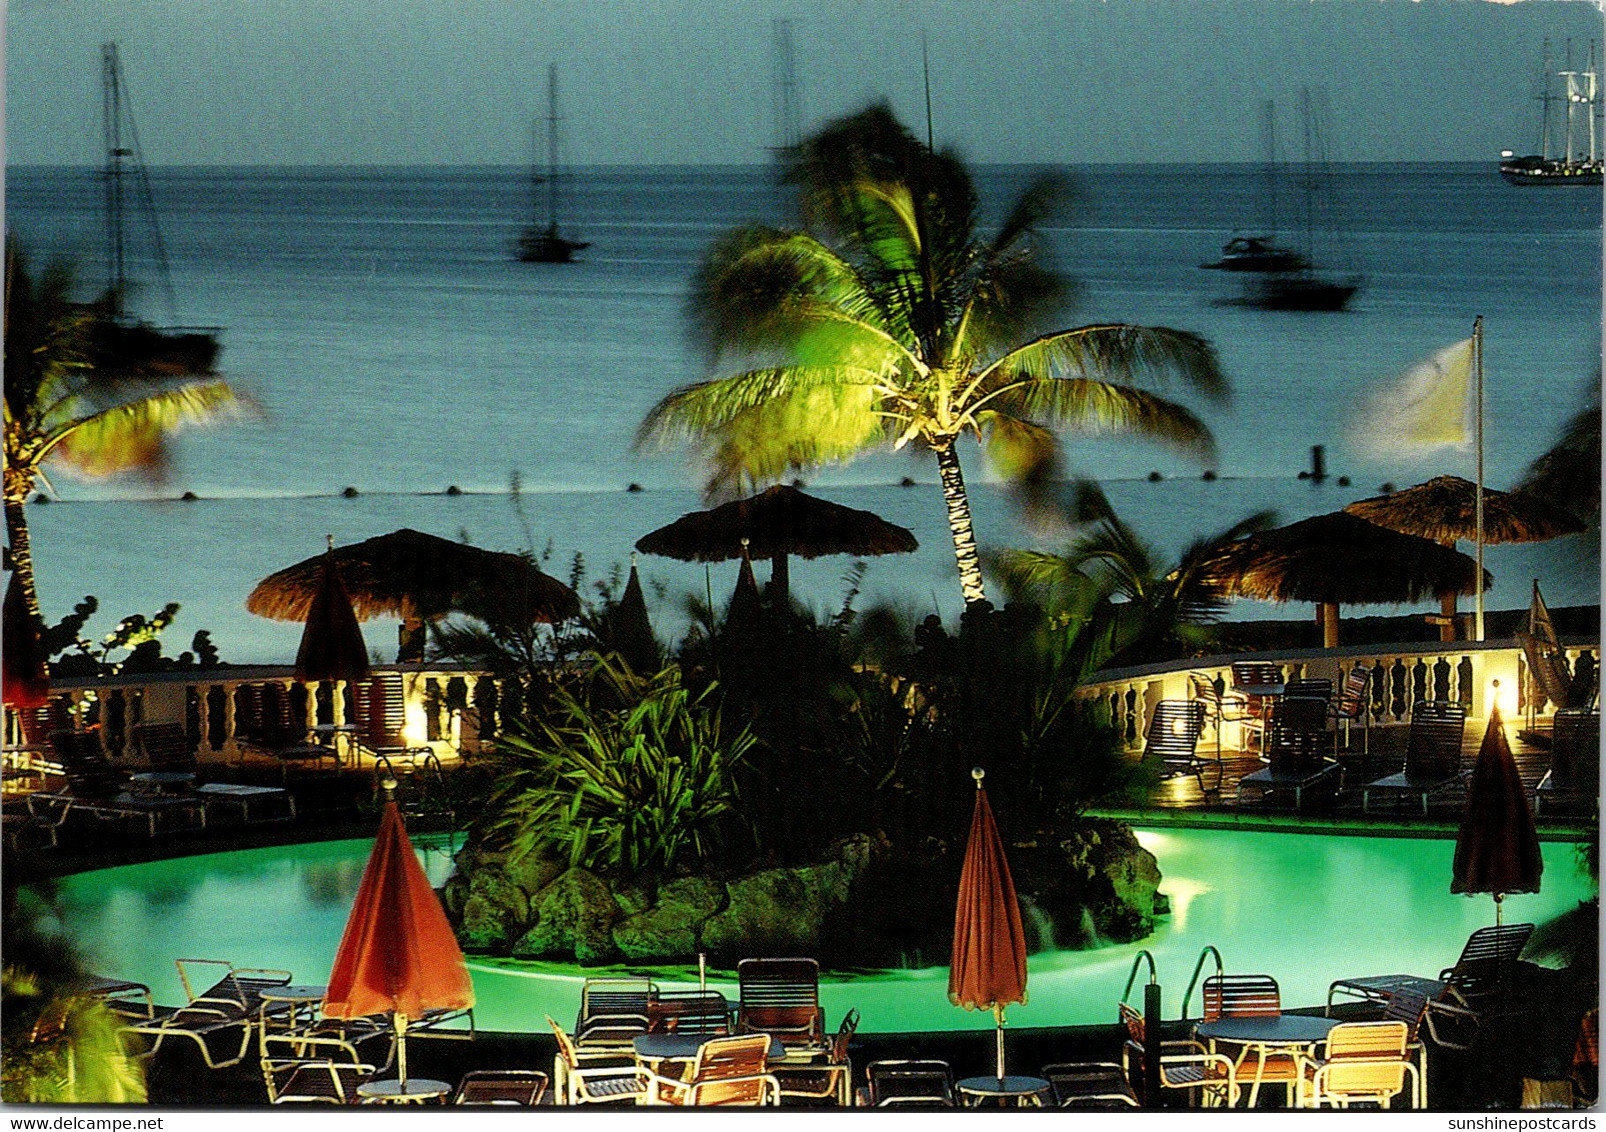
column 1020, row 1091
column 415, row 1090
column 1267, row 1035
column 296, row 996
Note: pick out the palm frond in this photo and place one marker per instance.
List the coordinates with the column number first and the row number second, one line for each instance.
column 1149, row 356
column 1096, row 407
column 130, row 435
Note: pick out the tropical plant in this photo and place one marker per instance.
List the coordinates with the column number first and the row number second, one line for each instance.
column 1568, row 474
column 893, row 321
column 62, row 1046
column 1163, row 611
column 65, row 403
column 626, row 772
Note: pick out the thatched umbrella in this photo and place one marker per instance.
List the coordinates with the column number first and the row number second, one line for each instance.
column 417, row 577
column 775, row 523
column 1444, row 509
column 1339, row 559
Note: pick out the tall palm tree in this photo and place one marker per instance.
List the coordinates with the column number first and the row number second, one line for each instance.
column 64, row 401
column 893, row 321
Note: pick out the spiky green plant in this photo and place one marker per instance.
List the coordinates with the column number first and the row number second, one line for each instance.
column 894, row 322
column 629, row 772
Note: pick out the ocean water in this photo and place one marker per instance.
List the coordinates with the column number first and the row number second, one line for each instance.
column 395, row 346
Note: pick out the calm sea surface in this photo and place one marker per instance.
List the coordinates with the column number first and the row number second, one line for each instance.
column 397, row 347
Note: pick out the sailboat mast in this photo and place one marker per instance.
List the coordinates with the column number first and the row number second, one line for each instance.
column 111, row 106
column 552, row 146
column 1269, row 138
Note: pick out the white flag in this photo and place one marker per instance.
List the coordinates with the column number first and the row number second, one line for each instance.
column 1429, row 407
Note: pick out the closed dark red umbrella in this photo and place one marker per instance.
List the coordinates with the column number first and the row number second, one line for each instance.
column 629, row 629
column 398, row 955
column 1497, row 850
column 23, row 672
column 332, row 647
column 988, row 967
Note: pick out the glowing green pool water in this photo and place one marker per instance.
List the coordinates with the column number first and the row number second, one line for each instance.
column 1306, row 908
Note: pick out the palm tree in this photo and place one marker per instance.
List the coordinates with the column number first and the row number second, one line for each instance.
column 65, row 404
column 892, row 321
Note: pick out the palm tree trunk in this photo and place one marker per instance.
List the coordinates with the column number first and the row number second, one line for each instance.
column 19, row 552
column 953, row 494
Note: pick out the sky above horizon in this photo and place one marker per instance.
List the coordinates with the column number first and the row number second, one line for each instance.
column 696, row 81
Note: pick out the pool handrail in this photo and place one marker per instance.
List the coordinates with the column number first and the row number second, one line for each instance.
column 1132, row 976
column 1209, row 949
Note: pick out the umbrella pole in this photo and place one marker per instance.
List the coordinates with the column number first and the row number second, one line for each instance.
column 399, row 1020
column 998, row 1017
column 1499, row 897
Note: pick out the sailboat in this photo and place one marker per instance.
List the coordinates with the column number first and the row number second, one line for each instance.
column 543, row 243
column 1262, row 252
column 1579, row 160
column 1306, row 287
column 122, row 343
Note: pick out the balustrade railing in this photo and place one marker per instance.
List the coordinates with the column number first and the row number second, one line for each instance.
column 1402, row 675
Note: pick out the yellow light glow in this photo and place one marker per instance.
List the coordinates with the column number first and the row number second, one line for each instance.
column 1502, row 697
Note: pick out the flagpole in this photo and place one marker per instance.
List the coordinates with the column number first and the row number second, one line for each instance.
column 1477, row 351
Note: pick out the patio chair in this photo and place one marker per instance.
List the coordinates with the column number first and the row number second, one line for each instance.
column 1221, row 706
column 1573, row 780
column 1354, row 705
column 1411, row 1008
column 1297, row 733
column 519, row 1087
column 730, row 1070
column 1459, row 997
column 1309, row 688
column 381, row 717
column 830, row 1076
column 97, row 788
column 1089, row 1084
column 904, row 1083
column 265, row 722
column 167, row 747
column 1185, row 1065
column 1250, row 678
column 1432, row 755
column 781, row 997
column 1363, row 1062
column 703, row 1012
column 582, row 1083
column 1172, row 741
column 307, row 1069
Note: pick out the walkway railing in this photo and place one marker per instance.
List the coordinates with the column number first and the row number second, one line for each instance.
column 1403, row 674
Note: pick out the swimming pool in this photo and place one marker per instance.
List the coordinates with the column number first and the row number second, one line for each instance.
column 1306, row 908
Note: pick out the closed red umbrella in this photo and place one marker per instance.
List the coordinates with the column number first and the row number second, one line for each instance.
column 1497, row 850
column 398, row 955
column 988, row 967
column 23, row 672
column 332, row 647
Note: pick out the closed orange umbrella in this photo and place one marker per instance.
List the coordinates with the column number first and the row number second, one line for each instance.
column 988, row 967
column 23, row 671
column 1497, row 850
column 332, row 647
column 398, row 955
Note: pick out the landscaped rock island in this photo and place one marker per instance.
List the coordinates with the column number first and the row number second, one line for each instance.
column 867, row 903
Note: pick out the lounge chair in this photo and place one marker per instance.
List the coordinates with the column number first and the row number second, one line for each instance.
column 1297, row 733
column 1573, row 780
column 126, row 999
column 1089, row 1084
column 781, row 997
column 520, row 1087
column 581, row 1083
column 219, row 1019
column 167, row 746
column 97, row 788
column 901, row 1083
column 1459, row 996
column 1185, row 1065
column 1362, row 1061
column 266, row 724
column 1432, row 755
column 1172, row 741
column 730, row 1070
column 830, row 1076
